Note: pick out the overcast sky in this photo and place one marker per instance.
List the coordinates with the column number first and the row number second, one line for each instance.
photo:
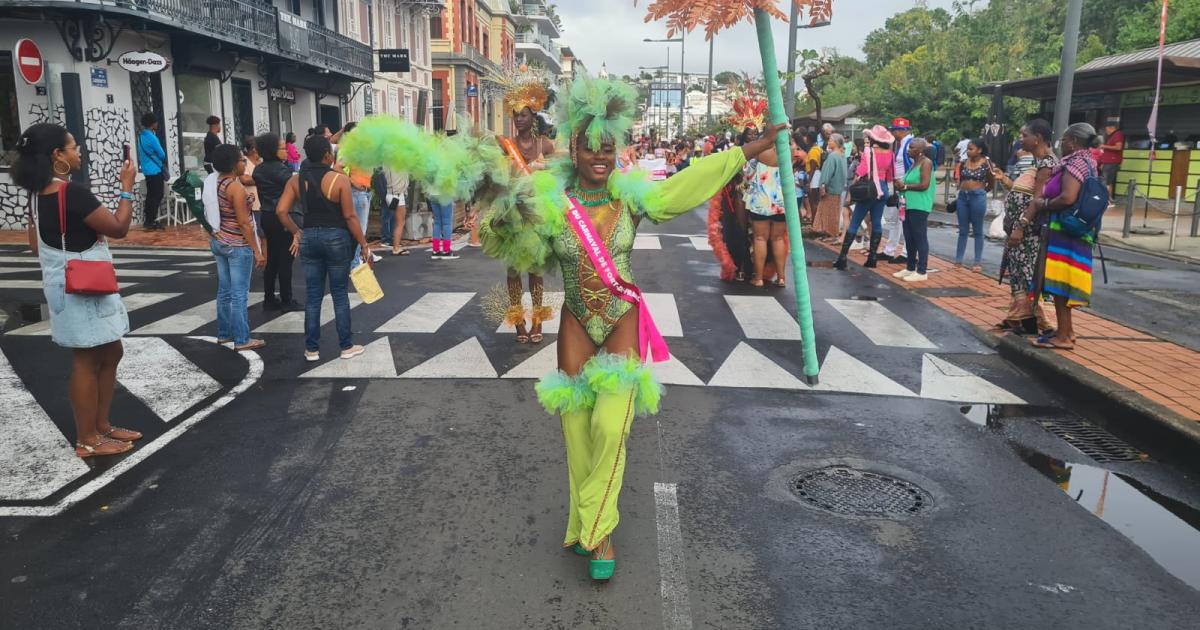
column 611, row 32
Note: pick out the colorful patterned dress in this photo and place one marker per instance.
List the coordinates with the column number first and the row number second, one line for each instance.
column 1068, row 259
column 1022, row 259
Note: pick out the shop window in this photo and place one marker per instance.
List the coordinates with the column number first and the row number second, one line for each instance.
column 438, row 109
column 195, row 106
column 435, row 26
column 10, row 120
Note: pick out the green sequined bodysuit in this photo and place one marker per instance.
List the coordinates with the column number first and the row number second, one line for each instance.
column 586, row 297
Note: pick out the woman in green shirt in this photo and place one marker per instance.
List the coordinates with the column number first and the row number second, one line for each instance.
column 833, row 184
column 917, row 187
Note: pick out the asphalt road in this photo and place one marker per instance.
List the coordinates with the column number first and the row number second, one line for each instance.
column 413, row 488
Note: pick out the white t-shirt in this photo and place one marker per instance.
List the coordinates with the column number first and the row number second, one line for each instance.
column 961, row 149
column 657, row 167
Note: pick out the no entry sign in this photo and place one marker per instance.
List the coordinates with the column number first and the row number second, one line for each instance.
column 29, row 61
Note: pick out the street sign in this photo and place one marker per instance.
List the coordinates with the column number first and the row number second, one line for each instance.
column 99, row 77
column 394, row 60
column 142, row 61
column 472, row 91
column 29, row 61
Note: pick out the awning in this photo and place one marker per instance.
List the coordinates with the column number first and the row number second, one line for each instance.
column 1124, row 78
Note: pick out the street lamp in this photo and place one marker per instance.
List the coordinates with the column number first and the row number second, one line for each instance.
column 682, row 73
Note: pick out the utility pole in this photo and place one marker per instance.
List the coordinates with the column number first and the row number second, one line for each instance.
column 683, row 82
column 789, row 92
column 711, row 41
column 1066, row 75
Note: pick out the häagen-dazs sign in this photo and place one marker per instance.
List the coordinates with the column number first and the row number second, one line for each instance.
column 142, row 61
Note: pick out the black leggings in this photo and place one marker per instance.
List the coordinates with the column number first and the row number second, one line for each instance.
column 154, row 197
column 279, row 259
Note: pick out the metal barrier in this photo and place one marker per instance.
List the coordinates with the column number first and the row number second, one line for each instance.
column 1131, row 199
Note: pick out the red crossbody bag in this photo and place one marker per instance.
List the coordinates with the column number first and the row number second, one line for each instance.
column 84, row 277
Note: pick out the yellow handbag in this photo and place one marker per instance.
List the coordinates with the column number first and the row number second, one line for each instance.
column 365, row 284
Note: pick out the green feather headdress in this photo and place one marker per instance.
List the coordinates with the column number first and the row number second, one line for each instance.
column 601, row 109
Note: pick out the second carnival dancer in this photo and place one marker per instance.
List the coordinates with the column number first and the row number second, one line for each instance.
column 583, row 215
column 525, row 95
column 728, row 222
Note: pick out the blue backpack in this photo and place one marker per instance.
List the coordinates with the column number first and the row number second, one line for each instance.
column 1084, row 217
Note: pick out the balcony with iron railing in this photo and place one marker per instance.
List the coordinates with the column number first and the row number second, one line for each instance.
column 253, row 24
column 542, row 15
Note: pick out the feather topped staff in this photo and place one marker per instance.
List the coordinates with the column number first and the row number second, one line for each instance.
column 683, row 16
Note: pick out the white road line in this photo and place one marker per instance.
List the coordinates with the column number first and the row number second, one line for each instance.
column 466, row 360
column 428, row 314
column 162, row 378
column 132, row 303
column 35, row 459
column 674, row 372
column 841, row 372
column 942, row 380
column 763, row 317
column 548, row 327
column 700, row 243
column 747, row 367
column 676, row 604
column 376, row 361
column 37, row 270
column 144, row 273
column 293, row 322
column 33, row 260
column 1163, row 299
column 202, row 263
column 141, row 453
column 646, row 241
column 37, row 284
column 538, row 365
column 880, row 325
column 665, row 312
column 189, row 320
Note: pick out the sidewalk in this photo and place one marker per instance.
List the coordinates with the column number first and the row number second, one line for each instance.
column 176, row 236
column 1137, row 377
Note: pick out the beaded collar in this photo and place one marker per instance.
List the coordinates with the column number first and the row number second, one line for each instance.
column 591, row 198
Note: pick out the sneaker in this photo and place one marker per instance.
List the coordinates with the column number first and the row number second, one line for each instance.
column 435, row 256
column 902, row 273
column 376, row 257
column 899, row 260
column 352, row 351
column 916, row 277
column 312, row 356
column 450, row 255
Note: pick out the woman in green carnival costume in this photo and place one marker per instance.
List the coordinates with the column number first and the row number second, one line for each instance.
column 582, row 215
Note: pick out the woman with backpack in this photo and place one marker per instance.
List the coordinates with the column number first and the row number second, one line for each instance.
column 1065, row 264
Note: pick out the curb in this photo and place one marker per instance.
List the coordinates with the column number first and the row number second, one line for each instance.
column 1113, row 241
column 1122, row 409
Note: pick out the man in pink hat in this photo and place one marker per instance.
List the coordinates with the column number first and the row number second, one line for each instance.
column 894, row 251
column 879, row 168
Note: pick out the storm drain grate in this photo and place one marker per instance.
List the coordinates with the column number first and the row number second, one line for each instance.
column 1091, row 440
column 854, row 492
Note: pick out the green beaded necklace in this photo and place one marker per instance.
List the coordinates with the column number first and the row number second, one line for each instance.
column 591, row 198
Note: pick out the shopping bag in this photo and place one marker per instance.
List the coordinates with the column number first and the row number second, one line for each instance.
column 365, row 284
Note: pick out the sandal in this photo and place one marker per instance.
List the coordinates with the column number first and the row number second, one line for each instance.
column 102, row 448
column 780, row 283
column 1048, row 342
column 253, row 344
column 536, row 337
column 122, row 435
column 522, row 335
column 599, row 568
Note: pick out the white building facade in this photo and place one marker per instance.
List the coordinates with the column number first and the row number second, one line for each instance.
column 282, row 66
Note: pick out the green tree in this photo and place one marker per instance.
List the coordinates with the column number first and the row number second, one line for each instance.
column 1139, row 29
column 727, row 77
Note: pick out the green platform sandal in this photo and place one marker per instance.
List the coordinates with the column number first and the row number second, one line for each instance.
column 602, row 569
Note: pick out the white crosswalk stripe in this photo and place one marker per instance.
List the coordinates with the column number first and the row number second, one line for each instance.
column 35, row 458
column 700, row 243
column 37, row 284
column 428, row 314
column 293, row 322
column 466, row 360
column 942, row 380
column 132, row 302
column 376, row 361
column 162, row 378
column 881, row 325
column 144, row 273
column 191, row 319
column 171, row 253
column 646, row 241
column 763, row 317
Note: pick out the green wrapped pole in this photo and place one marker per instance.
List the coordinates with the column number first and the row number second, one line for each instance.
column 766, row 47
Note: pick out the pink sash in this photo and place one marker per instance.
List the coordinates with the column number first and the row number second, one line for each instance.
column 650, row 341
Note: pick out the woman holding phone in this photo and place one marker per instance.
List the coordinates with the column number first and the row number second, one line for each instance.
column 974, row 179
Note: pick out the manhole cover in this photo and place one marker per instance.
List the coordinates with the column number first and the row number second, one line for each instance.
column 854, row 492
column 1091, row 440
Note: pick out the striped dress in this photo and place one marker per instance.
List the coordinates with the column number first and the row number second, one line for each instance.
column 1068, row 259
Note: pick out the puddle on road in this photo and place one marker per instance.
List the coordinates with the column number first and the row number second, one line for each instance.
column 1166, row 529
